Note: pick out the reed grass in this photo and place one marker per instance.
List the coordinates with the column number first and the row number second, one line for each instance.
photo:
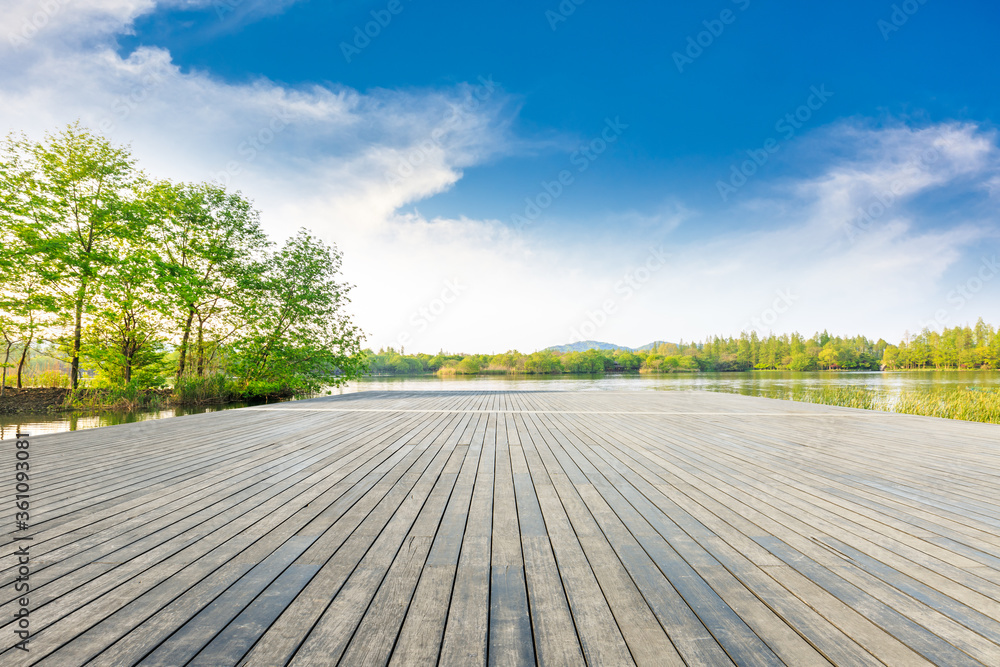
column 203, row 390
column 128, row 397
column 966, row 403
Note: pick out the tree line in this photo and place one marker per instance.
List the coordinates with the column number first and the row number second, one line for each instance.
column 960, row 347
column 136, row 281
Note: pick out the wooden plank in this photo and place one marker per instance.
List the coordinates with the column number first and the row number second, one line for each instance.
column 229, row 646
column 482, row 527
column 466, row 635
column 373, row 642
column 647, row 642
column 511, row 641
column 191, row 637
column 339, row 550
column 254, row 544
column 556, row 641
column 419, row 641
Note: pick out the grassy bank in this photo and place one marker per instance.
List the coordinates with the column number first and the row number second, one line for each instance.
column 199, row 391
column 966, row 403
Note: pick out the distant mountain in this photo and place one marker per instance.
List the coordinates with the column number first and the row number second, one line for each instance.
column 585, row 345
column 652, row 345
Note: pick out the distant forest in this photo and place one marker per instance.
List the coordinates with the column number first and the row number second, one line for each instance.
column 975, row 347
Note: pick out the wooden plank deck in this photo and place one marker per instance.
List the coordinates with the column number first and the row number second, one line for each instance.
column 513, row 528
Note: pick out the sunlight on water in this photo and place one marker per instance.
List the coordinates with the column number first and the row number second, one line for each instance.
column 756, row 383
column 748, row 383
column 42, row 423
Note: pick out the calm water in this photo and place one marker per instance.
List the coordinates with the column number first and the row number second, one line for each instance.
column 741, row 383
column 37, row 424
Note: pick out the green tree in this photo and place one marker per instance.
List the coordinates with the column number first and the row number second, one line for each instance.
column 26, row 302
column 543, row 362
column 468, row 366
column 68, row 198
column 207, row 239
column 828, row 355
column 801, row 362
column 295, row 332
column 628, row 361
column 890, row 357
column 126, row 336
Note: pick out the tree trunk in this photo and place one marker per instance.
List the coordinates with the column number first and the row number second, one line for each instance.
column 6, row 360
column 201, row 349
column 128, row 364
column 20, row 364
column 184, row 342
column 74, row 374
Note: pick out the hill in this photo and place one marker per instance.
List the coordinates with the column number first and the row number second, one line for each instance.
column 652, row 346
column 585, row 345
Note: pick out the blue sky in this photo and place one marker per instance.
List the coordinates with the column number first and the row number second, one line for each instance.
column 604, row 60
column 864, row 131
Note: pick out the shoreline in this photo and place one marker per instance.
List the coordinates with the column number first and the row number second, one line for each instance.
column 500, row 373
column 62, row 401
column 53, row 400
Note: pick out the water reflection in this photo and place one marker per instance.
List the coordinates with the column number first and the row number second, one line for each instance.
column 748, row 383
column 41, row 423
column 756, row 383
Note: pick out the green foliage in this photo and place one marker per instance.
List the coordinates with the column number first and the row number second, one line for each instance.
column 208, row 389
column 208, row 241
column 468, row 366
column 130, row 396
column 294, row 330
column 590, row 361
column 139, row 281
column 49, row 379
column 126, row 335
column 390, row 362
column 70, row 200
column 956, row 348
column 544, row 362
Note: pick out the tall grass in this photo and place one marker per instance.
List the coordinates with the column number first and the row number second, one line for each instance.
column 201, row 390
column 971, row 404
column 129, row 397
column 55, row 379
column 966, row 403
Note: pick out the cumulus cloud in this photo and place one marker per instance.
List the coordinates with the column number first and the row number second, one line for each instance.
column 351, row 165
column 896, row 163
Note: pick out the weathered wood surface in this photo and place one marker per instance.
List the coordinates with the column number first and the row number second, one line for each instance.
column 513, row 528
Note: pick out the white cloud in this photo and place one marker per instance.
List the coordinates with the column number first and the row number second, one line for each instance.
column 346, row 164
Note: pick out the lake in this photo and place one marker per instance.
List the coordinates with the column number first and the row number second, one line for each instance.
column 755, row 383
